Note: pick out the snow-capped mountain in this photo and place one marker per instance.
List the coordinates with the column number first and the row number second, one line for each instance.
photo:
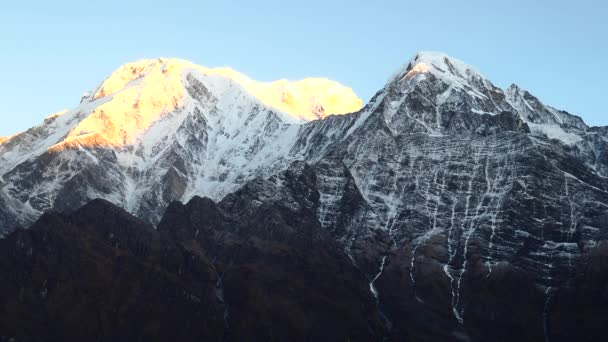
column 444, row 184
column 446, row 191
column 157, row 131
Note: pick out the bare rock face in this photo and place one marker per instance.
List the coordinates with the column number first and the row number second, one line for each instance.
column 445, row 209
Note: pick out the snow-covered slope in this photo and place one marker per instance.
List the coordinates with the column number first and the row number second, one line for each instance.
column 135, row 97
column 156, row 131
column 165, row 129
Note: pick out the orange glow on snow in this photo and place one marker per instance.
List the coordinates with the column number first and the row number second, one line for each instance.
column 420, row 68
column 137, row 94
column 298, row 99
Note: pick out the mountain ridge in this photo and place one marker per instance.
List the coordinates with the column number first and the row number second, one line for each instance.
column 191, row 269
column 211, row 261
column 431, row 98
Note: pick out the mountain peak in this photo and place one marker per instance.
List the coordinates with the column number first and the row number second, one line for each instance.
column 441, row 65
column 438, row 58
column 138, row 94
column 300, row 99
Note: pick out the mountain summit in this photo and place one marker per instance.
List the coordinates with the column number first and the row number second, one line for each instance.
column 440, row 65
column 138, row 95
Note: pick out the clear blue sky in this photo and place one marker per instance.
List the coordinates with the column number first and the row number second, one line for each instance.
column 53, row 51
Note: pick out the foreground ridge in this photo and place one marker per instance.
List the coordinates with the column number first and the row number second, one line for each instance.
column 223, row 271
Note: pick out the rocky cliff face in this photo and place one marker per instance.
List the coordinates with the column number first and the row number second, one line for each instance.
column 471, row 212
column 260, row 266
column 459, row 180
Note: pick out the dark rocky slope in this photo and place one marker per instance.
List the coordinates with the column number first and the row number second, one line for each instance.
column 259, row 266
column 256, row 267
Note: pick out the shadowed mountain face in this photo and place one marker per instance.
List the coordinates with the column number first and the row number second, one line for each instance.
column 259, row 266
column 256, row 266
column 445, row 209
